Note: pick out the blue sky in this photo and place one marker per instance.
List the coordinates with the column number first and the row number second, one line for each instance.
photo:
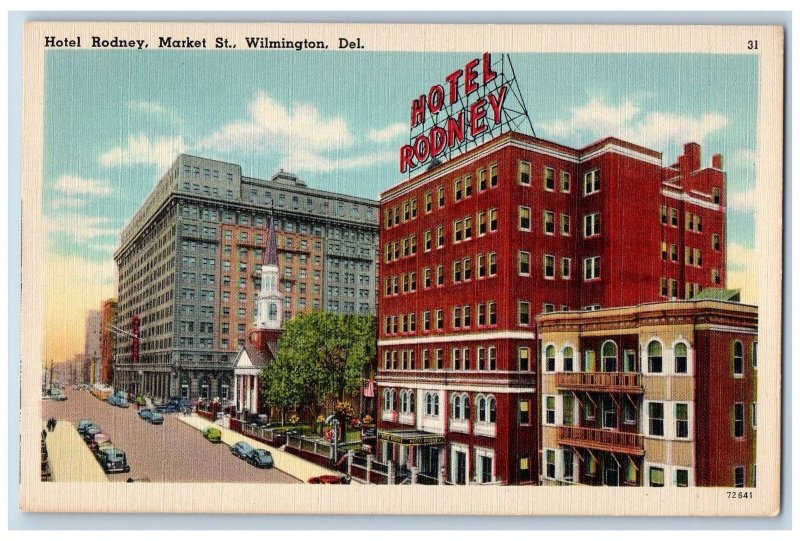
column 114, row 121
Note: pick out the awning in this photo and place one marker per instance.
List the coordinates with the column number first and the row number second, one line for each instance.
column 410, row 437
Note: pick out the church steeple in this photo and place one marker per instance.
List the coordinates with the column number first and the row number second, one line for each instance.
column 268, row 310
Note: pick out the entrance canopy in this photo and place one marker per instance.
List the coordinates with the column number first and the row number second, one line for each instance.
column 410, row 437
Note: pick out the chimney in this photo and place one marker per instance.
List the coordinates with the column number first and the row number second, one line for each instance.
column 716, row 161
column 692, row 153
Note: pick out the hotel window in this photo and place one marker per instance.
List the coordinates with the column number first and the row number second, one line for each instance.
column 715, row 195
column 524, row 218
column 673, row 252
column 524, row 412
column 568, row 359
column 738, row 359
column 549, row 410
column 656, row 477
column 568, row 410
column 428, row 202
column 549, row 222
column 663, row 214
column 456, row 359
column 681, row 420
column 427, row 240
column 440, row 196
column 439, row 319
column 426, row 277
column 414, row 208
column 456, row 271
column 481, row 358
column 566, row 182
column 591, row 225
column 468, row 228
column 550, row 359
column 480, row 311
column 524, row 359
column 548, row 307
column 663, row 252
column 628, row 412
column 480, row 265
column 406, row 211
column 426, row 320
column 523, row 312
column 493, row 175
column 524, row 176
column 565, row 225
column 492, row 257
column 591, row 268
column 492, row 352
column 492, row 310
column 654, row 359
column 688, row 221
column 481, row 180
column 591, row 182
column 487, row 409
column 467, row 186
column 549, row 265
column 715, row 242
column 738, row 476
column 715, row 276
column 681, row 359
column 426, row 359
column 459, row 406
column 492, row 219
column 457, row 190
column 481, row 221
column 467, row 269
column 439, row 275
column 738, row 420
column 566, row 263
column 655, row 413
column 438, row 357
column 673, row 217
column 524, row 263
column 439, row 236
column 550, row 464
column 549, row 179
column 608, row 354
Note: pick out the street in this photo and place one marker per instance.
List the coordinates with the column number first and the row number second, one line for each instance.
column 172, row 452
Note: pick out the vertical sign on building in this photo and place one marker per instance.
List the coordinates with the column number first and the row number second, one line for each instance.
column 135, row 345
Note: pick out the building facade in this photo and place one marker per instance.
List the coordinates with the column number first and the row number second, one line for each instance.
column 662, row 394
column 473, row 249
column 108, row 318
column 91, row 350
column 189, row 269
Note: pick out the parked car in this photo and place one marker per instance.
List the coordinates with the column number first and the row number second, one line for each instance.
column 329, row 480
column 82, row 424
column 112, row 400
column 97, row 439
column 261, row 458
column 114, row 461
column 212, row 434
column 102, row 447
column 89, row 432
column 55, row 394
column 242, row 449
column 151, row 416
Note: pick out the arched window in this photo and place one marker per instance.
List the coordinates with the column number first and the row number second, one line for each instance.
column 568, row 359
column 456, row 407
column 480, row 401
column 185, row 387
column 411, row 402
column 428, row 404
column 654, row 364
column 273, row 311
column 224, row 388
column 436, row 404
column 465, row 405
column 681, row 359
column 738, row 359
column 492, row 409
column 550, row 359
column 609, row 354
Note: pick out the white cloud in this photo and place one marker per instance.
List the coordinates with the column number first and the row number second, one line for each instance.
column 302, row 160
column 742, row 201
column 67, row 203
column 140, row 149
column 656, row 130
column 155, row 109
column 274, row 126
column 742, row 272
column 746, row 156
column 389, row 133
column 83, row 229
column 72, row 185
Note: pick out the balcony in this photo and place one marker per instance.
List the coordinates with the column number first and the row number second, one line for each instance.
column 608, row 382
column 406, row 418
column 602, row 440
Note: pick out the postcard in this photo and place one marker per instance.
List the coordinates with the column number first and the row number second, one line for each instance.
column 431, row 269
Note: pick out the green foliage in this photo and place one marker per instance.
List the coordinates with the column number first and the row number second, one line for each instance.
column 321, row 356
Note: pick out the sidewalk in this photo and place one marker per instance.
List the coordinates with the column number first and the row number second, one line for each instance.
column 70, row 458
column 286, row 462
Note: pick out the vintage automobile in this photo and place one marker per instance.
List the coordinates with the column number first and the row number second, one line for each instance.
column 94, row 443
column 242, row 449
column 89, row 432
column 114, row 461
column 151, row 416
column 329, row 480
column 212, row 434
column 261, row 458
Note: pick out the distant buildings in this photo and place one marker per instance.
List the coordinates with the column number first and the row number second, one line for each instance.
column 108, row 340
column 91, row 350
column 189, row 270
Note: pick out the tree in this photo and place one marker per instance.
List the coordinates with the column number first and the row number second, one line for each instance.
column 321, row 357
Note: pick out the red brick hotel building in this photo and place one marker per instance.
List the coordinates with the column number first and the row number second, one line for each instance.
column 473, row 249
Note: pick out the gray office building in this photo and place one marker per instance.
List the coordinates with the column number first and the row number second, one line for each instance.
column 189, row 270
